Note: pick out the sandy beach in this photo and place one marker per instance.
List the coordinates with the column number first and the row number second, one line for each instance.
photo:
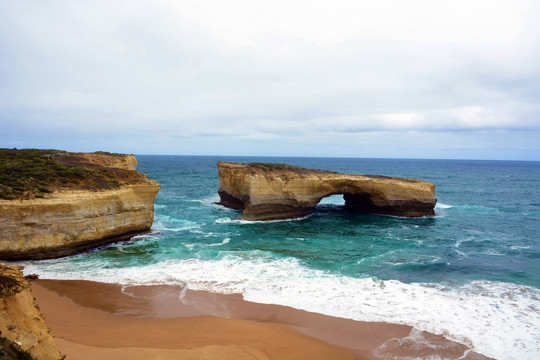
column 91, row 320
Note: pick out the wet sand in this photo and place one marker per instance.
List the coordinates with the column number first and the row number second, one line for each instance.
column 91, row 320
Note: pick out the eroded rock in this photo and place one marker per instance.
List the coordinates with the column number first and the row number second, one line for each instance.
column 21, row 322
column 73, row 217
column 279, row 191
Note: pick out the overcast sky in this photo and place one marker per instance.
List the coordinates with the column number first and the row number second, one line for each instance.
column 385, row 78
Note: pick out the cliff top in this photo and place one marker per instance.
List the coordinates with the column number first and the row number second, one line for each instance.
column 33, row 173
column 281, row 170
column 271, row 168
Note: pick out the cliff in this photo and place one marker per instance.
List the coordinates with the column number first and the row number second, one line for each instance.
column 278, row 191
column 21, row 322
column 70, row 213
column 100, row 158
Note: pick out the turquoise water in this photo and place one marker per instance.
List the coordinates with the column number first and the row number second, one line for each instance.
column 472, row 272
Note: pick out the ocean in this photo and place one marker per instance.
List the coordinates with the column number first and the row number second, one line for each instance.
column 470, row 273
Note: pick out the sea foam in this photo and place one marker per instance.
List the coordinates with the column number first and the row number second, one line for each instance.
column 473, row 314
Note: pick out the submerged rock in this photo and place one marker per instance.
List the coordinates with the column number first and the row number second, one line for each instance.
column 279, row 191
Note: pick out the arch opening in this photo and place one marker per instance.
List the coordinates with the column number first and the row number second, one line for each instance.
column 355, row 202
column 333, row 200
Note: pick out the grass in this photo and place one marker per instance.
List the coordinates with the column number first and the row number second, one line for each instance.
column 33, row 173
column 266, row 167
column 108, row 153
column 273, row 167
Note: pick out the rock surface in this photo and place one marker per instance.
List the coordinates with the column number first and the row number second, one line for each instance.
column 278, row 191
column 68, row 221
column 20, row 319
column 119, row 161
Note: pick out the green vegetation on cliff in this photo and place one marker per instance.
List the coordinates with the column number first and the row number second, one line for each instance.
column 267, row 167
column 272, row 167
column 108, row 153
column 33, row 173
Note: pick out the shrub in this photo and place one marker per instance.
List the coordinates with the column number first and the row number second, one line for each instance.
column 29, row 173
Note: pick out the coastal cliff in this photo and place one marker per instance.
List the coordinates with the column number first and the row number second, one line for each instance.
column 89, row 200
column 101, row 158
column 279, row 191
column 21, row 324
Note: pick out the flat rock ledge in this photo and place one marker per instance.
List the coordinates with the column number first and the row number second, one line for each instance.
column 279, row 191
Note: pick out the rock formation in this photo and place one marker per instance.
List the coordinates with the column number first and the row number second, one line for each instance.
column 95, row 210
column 278, row 191
column 21, row 322
column 119, row 161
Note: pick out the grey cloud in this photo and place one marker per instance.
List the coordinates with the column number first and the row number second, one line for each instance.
column 72, row 70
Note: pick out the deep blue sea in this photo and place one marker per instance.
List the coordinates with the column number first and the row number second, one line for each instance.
column 472, row 272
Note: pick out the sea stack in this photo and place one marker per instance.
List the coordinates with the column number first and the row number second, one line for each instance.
column 56, row 203
column 280, row 191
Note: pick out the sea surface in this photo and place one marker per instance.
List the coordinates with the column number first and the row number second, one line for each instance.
column 471, row 273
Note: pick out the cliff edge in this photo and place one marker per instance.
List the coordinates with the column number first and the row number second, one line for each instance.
column 55, row 203
column 21, row 324
column 280, row 191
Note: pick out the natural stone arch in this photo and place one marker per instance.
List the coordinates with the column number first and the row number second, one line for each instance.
column 278, row 191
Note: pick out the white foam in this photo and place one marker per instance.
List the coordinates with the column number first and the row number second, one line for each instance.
column 440, row 205
column 211, row 201
column 421, row 342
column 201, row 245
column 499, row 320
column 491, row 252
column 250, row 222
column 517, row 247
column 225, row 241
column 166, row 223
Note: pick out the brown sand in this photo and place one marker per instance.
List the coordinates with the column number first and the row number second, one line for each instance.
column 92, row 320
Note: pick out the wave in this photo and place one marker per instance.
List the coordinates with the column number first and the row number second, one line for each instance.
column 200, row 245
column 499, row 320
column 211, row 201
column 251, row 222
column 224, row 242
column 165, row 223
column 475, row 208
column 440, row 205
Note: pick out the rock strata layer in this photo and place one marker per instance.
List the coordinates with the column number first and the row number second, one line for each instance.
column 21, row 322
column 68, row 221
column 278, row 191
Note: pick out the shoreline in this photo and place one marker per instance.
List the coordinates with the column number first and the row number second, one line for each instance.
column 108, row 321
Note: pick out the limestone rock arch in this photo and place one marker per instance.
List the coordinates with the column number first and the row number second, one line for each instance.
column 279, row 191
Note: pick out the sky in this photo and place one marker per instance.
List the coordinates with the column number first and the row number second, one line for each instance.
column 340, row 78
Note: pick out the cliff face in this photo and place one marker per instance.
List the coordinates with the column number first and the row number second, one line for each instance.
column 72, row 221
column 271, row 192
column 68, row 220
column 20, row 320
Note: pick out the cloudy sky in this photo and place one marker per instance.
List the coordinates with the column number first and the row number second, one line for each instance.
column 351, row 78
